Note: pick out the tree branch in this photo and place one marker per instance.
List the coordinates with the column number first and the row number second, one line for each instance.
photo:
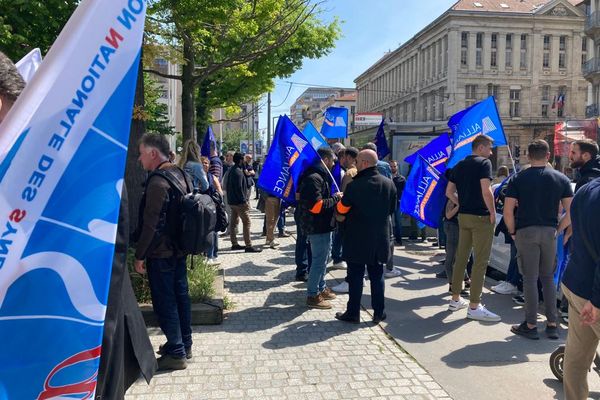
column 163, row 75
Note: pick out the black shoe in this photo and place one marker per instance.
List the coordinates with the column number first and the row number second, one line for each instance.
column 347, row 318
column 398, row 242
column 552, row 332
column 302, row 278
column 283, row 234
column 237, row 247
column 467, row 283
column 378, row 318
column 251, row 249
column 442, row 275
column 188, row 351
column 525, row 331
column 168, row 362
column 519, row 299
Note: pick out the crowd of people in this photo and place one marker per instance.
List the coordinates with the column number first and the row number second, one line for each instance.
column 357, row 226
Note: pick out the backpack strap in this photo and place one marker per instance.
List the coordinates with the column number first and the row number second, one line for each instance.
column 170, row 177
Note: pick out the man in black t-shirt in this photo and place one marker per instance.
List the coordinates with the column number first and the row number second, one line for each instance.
column 471, row 179
column 538, row 190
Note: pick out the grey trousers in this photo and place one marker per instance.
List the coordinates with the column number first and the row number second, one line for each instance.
column 536, row 254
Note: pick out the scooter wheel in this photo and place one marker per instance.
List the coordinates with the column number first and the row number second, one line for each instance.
column 556, row 362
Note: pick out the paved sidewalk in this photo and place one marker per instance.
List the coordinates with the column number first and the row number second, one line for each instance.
column 271, row 346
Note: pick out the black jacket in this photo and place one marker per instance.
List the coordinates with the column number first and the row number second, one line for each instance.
column 399, row 183
column 368, row 202
column 237, row 186
column 316, row 204
column 588, row 172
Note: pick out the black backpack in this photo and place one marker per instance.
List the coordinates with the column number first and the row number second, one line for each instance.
column 196, row 215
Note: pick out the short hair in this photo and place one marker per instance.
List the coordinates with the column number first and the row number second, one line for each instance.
column 502, row 171
column 481, row 140
column 237, row 157
column 326, row 152
column 351, row 152
column 587, row 146
column 370, row 146
column 11, row 82
column 337, row 147
column 159, row 142
column 191, row 152
column 538, row 149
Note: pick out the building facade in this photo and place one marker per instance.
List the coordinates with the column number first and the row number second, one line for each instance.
column 309, row 106
column 591, row 69
column 528, row 54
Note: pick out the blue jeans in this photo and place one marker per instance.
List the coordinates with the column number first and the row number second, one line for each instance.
column 320, row 246
column 336, row 246
column 213, row 252
column 398, row 225
column 513, row 276
column 356, row 273
column 303, row 254
column 171, row 302
column 281, row 220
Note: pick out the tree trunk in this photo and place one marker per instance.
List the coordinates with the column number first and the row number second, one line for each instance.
column 202, row 112
column 187, row 91
column 134, row 173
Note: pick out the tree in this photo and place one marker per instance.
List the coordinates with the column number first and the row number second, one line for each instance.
column 27, row 24
column 153, row 111
column 231, row 50
column 231, row 140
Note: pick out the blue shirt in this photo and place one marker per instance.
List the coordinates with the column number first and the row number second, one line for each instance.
column 196, row 171
column 582, row 275
column 384, row 169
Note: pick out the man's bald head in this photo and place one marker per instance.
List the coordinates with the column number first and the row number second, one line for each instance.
column 366, row 159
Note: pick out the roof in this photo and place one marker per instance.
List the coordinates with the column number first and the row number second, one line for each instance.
column 347, row 97
column 509, row 6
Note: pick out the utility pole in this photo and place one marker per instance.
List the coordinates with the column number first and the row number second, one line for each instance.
column 253, row 130
column 268, row 121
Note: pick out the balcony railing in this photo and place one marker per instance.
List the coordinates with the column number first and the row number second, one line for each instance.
column 591, row 66
column 591, row 111
column 592, row 21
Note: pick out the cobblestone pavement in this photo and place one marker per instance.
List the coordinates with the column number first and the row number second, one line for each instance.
column 271, row 346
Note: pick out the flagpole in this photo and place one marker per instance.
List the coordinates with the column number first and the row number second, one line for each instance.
column 331, row 176
column 505, row 138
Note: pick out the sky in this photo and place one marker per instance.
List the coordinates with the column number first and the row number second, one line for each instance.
column 370, row 28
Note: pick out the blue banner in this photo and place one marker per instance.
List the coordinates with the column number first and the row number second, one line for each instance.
column 436, row 152
column 336, row 173
column 424, row 195
column 313, row 136
column 480, row 119
column 209, row 138
column 63, row 149
column 335, row 123
column 381, row 142
column 289, row 156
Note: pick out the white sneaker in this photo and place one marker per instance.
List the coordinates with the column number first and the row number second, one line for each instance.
column 339, row 265
column 482, row 314
column 341, row 288
column 393, row 273
column 505, row 288
column 272, row 244
column 457, row 305
column 214, row 261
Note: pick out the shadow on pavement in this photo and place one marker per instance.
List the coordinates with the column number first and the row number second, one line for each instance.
column 302, row 333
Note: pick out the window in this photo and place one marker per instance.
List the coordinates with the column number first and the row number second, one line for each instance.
column 584, row 47
column 464, row 49
column 560, row 101
column 470, row 95
column 494, row 55
column 546, row 93
column 508, row 62
column 493, row 90
column 479, row 50
column 432, row 113
column 442, row 98
column 523, row 62
column 515, row 99
column 405, row 112
column 546, row 57
column 562, row 52
column 545, row 110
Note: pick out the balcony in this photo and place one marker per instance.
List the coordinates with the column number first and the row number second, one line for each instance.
column 591, row 111
column 591, row 68
column 592, row 24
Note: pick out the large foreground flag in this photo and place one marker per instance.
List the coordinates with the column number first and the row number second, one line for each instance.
column 209, row 138
column 63, row 148
column 313, row 136
column 436, row 152
column 28, row 65
column 289, row 156
column 335, row 123
column 424, row 195
column 381, row 142
column 480, row 119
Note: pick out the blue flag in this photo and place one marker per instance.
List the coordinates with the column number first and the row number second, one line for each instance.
column 313, row 136
column 335, row 124
column 63, row 148
column 480, row 119
column 436, row 153
column 336, row 173
column 381, row 142
column 289, row 156
column 209, row 138
column 424, row 195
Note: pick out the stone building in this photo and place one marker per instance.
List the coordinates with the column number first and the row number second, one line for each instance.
column 528, row 54
column 309, row 106
column 591, row 69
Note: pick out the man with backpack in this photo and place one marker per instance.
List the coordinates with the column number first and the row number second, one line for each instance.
column 165, row 261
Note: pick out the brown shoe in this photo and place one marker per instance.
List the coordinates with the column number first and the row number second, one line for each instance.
column 318, row 302
column 328, row 294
